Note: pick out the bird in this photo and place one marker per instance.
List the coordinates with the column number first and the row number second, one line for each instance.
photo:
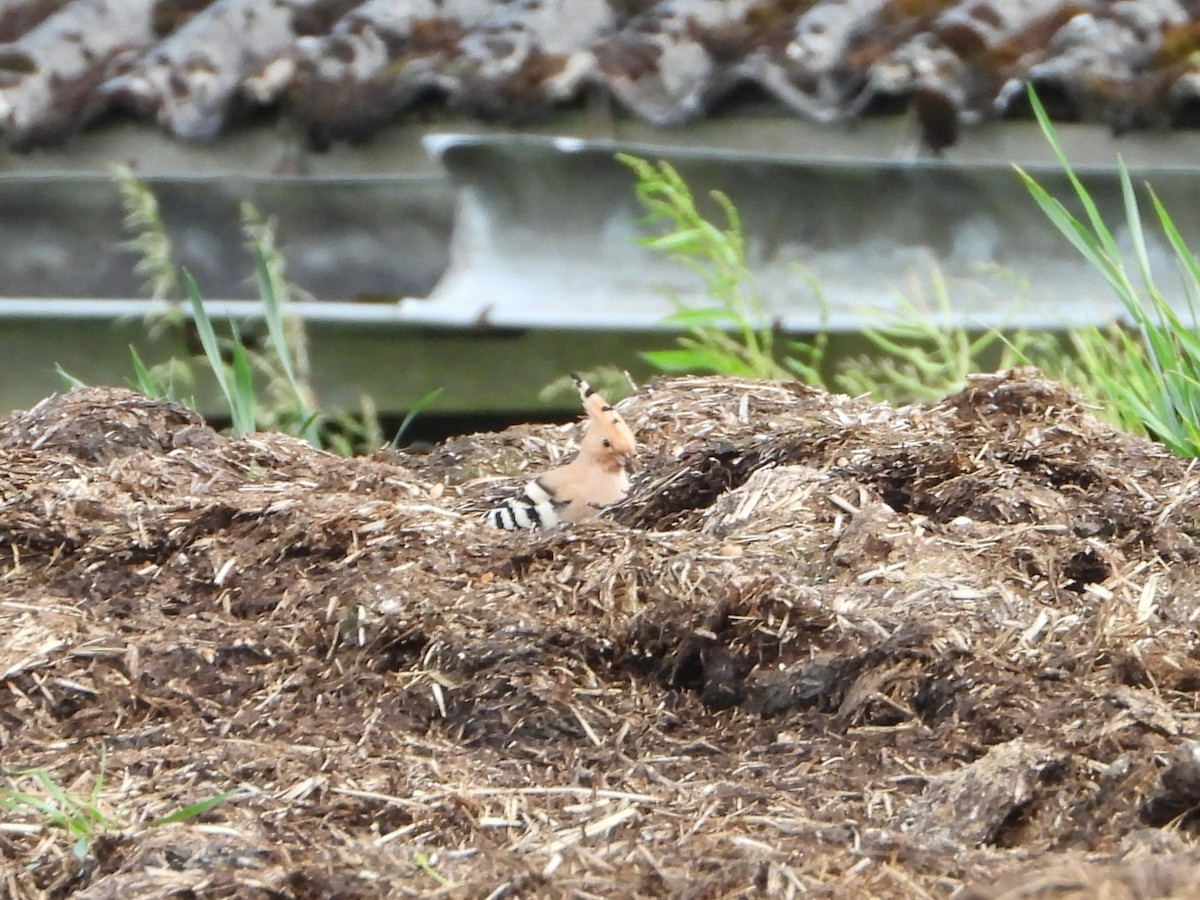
column 597, row 477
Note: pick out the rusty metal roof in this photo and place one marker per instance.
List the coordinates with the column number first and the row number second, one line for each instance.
column 342, row 69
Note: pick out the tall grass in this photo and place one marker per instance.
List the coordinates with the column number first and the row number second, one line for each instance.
column 1151, row 376
column 149, row 239
column 732, row 335
column 914, row 357
column 1143, row 378
column 34, row 795
column 265, row 384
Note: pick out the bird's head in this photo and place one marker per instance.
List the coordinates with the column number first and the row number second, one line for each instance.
column 608, row 438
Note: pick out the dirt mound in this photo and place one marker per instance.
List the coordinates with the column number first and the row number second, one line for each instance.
column 825, row 646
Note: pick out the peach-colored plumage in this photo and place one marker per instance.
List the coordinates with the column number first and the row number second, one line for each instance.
column 597, row 477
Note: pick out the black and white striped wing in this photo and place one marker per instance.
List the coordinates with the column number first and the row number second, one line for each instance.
column 534, row 507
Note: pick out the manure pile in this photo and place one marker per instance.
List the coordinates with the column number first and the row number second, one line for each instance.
column 825, row 648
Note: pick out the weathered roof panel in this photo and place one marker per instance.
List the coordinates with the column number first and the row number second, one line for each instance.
column 51, row 77
column 19, row 16
column 345, row 69
column 190, row 81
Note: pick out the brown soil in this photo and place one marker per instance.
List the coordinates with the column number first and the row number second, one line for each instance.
column 827, row 647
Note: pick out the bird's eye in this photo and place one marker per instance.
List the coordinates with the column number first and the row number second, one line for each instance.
column 606, row 442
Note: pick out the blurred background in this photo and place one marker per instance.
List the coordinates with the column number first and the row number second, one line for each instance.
column 441, row 200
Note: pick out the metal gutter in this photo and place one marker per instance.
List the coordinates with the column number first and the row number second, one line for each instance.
column 531, row 239
column 412, row 312
column 547, row 231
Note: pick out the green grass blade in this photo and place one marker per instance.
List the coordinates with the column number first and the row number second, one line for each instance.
column 208, row 339
column 1075, row 232
column 68, row 379
column 194, row 810
column 1106, row 240
column 1178, row 245
column 696, row 317
column 16, row 800
column 1133, row 218
column 269, row 293
column 696, row 359
column 144, row 380
column 417, row 408
column 274, row 316
column 65, row 801
column 244, row 407
column 676, row 241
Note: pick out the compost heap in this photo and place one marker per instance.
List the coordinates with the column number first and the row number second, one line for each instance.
column 826, row 645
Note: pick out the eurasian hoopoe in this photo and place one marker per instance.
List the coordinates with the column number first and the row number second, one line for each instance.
column 597, row 477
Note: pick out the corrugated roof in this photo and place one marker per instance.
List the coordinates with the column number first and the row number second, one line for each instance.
column 341, row 69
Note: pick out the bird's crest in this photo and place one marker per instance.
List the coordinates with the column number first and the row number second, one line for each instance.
column 607, row 432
